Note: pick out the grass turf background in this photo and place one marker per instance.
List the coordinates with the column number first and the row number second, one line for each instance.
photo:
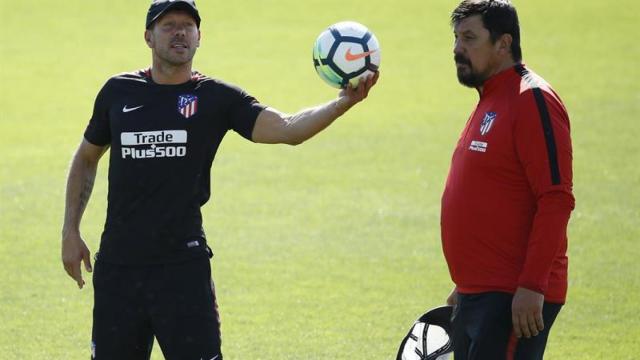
column 331, row 249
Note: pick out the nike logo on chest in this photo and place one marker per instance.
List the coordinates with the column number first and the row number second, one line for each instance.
column 126, row 109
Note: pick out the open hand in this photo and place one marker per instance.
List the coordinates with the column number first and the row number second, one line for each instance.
column 74, row 251
column 526, row 313
column 350, row 96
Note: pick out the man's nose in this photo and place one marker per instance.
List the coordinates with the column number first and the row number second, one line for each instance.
column 457, row 47
column 181, row 30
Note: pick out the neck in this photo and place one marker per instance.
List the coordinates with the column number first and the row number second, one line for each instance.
column 165, row 74
column 509, row 63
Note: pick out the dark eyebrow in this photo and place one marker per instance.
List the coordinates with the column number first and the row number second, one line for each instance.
column 466, row 32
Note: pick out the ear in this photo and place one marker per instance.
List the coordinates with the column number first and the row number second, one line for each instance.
column 199, row 37
column 504, row 44
column 148, row 38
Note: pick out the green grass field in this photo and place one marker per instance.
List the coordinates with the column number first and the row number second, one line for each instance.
column 331, row 249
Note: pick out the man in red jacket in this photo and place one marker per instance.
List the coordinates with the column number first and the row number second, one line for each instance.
column 508, row 196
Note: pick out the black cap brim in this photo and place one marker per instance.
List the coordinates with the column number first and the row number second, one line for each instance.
column 440, row 316
column 158, row 9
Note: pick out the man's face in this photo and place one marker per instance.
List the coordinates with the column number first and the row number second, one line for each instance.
column 174, row 38
column 475, row 55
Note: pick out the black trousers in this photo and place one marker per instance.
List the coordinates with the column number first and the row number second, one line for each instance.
column 483, row 329
column 175, row 303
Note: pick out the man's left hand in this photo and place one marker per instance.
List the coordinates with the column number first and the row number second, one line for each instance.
column 350, row 96
column 526, row 312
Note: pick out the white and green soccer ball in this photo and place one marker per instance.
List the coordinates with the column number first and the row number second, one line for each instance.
column 345, row 53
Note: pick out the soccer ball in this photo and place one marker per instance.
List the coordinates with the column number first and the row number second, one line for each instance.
column 430, row 337
column 345, row 53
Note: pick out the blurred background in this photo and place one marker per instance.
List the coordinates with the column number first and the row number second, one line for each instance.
column 331, row 249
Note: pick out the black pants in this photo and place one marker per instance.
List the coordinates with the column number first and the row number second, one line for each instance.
column 483, row 329
column 176, row 303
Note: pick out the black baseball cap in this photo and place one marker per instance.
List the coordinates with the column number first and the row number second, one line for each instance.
column 161, row 7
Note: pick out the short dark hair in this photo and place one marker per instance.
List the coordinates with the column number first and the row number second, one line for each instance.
column 498, row 16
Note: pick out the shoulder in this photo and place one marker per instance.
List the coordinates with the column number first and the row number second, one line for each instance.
column 217, row 86
column 537, row 97
column 533, row 86
column 138, row 76
column 127, row 79
column 205, row 81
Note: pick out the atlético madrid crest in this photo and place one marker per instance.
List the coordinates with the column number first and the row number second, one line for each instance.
column 487, row 121
column 187, row 105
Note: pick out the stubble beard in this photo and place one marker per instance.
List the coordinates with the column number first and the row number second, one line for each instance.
column 177, row 60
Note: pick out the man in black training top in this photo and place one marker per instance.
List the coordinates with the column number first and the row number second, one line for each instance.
column 163, row 125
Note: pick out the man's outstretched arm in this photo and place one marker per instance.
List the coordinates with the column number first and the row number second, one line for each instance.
column 274, row 127
column 82, row 174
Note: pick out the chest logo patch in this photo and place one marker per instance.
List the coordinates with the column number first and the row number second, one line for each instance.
column 479, row 146
column 187, row 105
column 487, row 122
column 154, row 144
